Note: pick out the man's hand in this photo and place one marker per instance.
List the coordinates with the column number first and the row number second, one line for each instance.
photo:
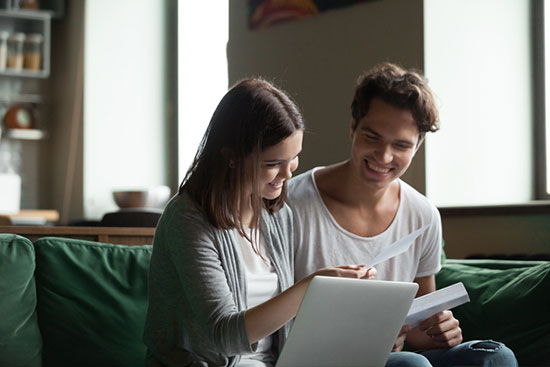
column 443, row 329
column 400, row 342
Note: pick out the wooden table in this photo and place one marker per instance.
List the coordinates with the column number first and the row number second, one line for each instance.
column 118, row 235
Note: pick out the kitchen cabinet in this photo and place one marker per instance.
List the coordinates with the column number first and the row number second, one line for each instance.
column 33, row 24
column 25, row 92
column 12, row 104
column 28, row 22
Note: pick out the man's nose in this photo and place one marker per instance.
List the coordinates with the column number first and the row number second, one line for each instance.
column 384, row 153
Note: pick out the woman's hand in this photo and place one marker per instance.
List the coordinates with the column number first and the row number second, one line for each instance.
column 266, row 318
column 347, row 271
column 400, row 342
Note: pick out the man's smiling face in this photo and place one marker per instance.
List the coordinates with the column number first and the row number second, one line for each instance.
column 383, row 144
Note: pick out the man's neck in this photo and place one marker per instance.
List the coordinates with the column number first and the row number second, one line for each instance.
column 358, row 207
column 348, row 188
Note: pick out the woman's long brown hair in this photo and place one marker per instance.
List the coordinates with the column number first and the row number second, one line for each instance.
column 252, row 116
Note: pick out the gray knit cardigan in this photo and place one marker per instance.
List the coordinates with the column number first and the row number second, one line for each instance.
column 197, row 287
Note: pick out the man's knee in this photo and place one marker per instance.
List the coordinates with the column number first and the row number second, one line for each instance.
column 407, row 359
column 490, row 353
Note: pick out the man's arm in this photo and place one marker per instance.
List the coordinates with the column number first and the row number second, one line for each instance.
column 439, row 331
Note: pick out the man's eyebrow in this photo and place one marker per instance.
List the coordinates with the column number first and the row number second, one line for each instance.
column 400, row 141
column 406, row 142
column 369, row 130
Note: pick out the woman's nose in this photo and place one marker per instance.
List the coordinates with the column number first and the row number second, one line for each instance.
column 287, row 170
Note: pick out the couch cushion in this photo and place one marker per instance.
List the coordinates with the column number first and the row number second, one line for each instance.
column 20, row 341
column 509, row 303
column 92, row 302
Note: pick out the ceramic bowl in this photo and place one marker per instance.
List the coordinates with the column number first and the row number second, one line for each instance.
column 154, row 197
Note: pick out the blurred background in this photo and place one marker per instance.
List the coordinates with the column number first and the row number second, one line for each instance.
column 124, row 91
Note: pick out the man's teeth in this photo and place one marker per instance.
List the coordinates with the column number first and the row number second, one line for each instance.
column 378, row 169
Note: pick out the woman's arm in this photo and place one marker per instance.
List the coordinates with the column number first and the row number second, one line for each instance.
column 196, row 268
column 270, row 316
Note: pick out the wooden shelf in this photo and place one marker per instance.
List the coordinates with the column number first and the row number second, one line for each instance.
column 27, row 14
column 25, row 134
column 21, row 98
column 25, row 73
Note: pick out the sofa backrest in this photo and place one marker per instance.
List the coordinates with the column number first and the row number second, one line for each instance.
column 509, row 304
column 20, row 341
column 92, row 302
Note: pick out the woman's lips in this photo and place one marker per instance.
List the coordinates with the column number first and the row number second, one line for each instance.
column 276, row 185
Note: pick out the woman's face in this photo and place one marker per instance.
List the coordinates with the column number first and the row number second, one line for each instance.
column 277, row 164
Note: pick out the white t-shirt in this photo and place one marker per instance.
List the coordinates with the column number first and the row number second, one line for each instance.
column 322, row 242
column 262, row 285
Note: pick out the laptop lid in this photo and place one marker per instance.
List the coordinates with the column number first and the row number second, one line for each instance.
column 347, row 322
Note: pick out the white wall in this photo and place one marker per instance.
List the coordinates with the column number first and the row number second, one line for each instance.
column 202, row 72
column 478, row 63
column 123, row 99
column 318, row 59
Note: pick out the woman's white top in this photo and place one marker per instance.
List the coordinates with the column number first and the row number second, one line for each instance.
column 263, row 284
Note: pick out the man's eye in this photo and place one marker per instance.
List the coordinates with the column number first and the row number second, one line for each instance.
column 272, row 164
column 402, row 147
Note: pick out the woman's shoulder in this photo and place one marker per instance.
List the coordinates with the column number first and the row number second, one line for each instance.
column 182, row 206
column 285, row 212
column 182, row 214
column 282, row 219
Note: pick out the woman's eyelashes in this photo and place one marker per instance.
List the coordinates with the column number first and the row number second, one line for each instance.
column 271, row 164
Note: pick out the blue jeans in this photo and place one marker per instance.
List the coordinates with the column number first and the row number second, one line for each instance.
column 483, row 353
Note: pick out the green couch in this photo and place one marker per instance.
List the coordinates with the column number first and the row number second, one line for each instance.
column 509, row 302
column 72, row 302
column 68, row 302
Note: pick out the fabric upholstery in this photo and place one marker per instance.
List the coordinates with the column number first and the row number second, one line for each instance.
column 92, row 302
column 509, row 303
column 20, row 340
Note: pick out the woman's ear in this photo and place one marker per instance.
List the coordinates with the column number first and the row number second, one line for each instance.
column 228, row 156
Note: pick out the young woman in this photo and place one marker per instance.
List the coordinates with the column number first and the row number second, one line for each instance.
column 221, row 276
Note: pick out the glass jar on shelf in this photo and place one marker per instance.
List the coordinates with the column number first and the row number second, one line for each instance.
column 15, row 51
column 27, row 4
column 32, row 52
column 3, row 49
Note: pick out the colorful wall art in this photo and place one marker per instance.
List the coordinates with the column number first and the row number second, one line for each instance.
column 267, row 13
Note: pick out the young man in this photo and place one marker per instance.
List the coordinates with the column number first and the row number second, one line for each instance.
column 349, row 212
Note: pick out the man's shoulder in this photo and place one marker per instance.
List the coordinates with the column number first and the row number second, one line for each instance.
column 415, row 200
column 301, row 185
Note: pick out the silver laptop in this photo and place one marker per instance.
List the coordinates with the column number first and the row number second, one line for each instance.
column 347, row 322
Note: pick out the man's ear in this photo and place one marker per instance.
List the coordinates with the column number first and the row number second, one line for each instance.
column 352, row 128
column 419, row 143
